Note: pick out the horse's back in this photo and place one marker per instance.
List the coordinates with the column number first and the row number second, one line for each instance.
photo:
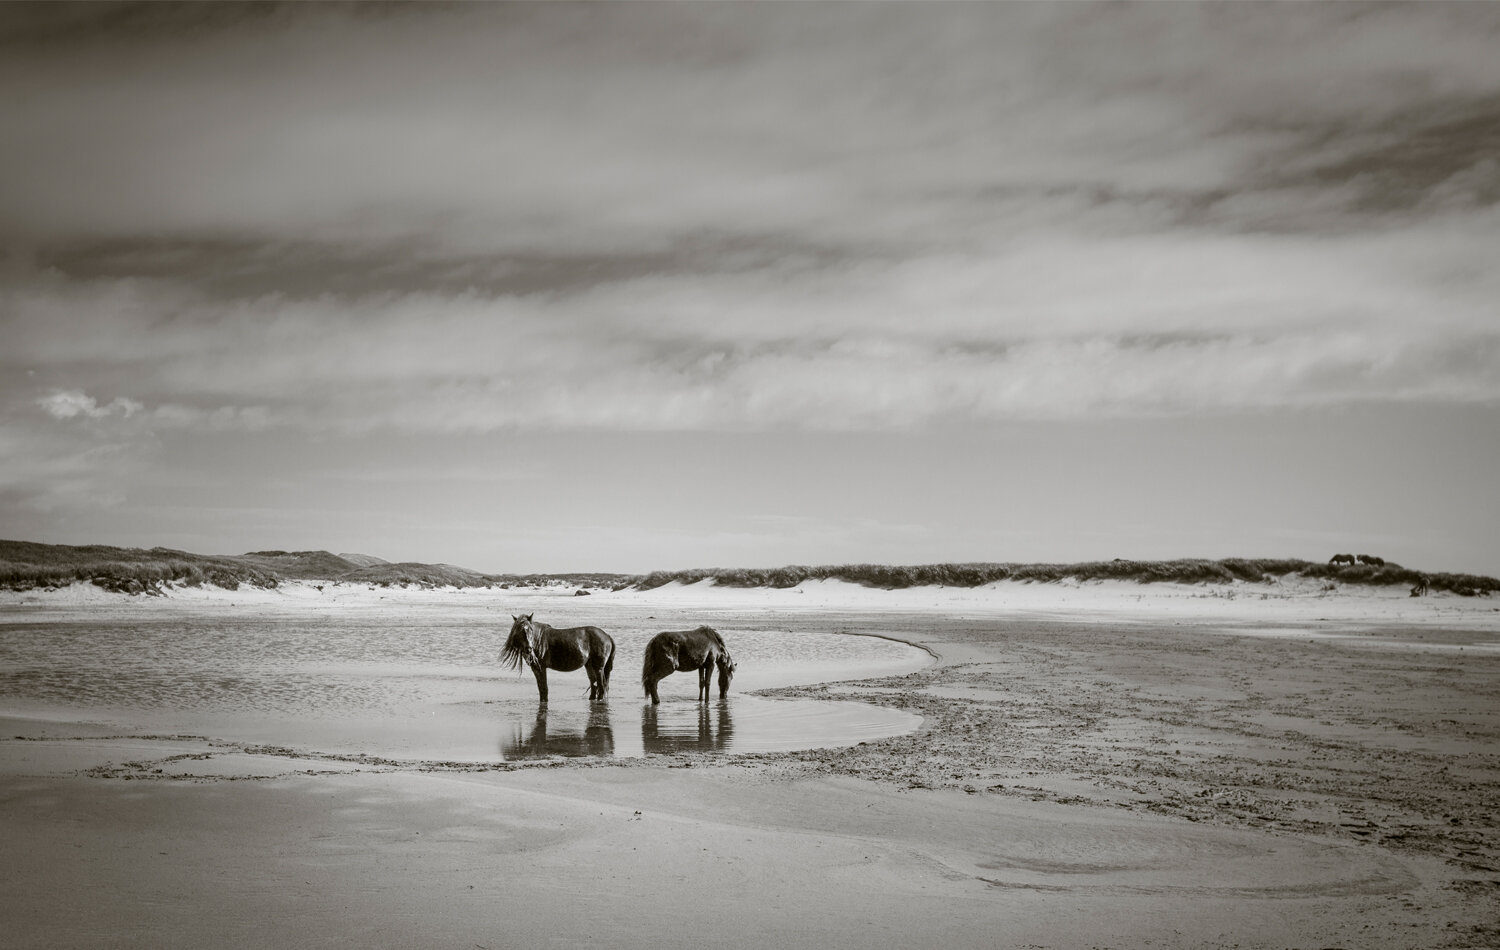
column 597, row 635
column 572, row 647
column 686, row 649
column 587, row 634
column 706, row 642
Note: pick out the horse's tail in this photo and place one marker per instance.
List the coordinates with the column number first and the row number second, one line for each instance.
column 609, row 665
column 657, row 664
column 646, row 668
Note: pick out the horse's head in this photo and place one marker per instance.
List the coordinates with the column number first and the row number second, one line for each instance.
column 726, row 671
column 524, row 642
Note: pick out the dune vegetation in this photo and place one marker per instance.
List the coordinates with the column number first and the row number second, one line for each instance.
column 1182, row 571
column 27, row 565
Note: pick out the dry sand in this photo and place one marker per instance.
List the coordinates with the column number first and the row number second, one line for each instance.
column 1098, row 766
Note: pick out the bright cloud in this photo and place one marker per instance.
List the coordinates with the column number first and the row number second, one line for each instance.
column 72, row 403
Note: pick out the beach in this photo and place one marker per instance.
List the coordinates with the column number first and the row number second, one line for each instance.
column 1088, row 765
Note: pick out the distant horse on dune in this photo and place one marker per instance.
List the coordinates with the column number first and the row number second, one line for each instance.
column 1370, row 559
column 1421, row 586
column 1342, row 559
column 544, row 648
column 673, row 650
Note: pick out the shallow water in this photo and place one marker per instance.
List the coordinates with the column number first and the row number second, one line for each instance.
column 426, row 688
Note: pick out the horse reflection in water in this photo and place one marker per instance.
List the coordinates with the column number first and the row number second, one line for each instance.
column 663, row 733
column 566, row 736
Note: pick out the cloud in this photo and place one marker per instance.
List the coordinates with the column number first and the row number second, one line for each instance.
column 73, row 403
column 493, row 130
column 761, row 216
column 1059, row 329
column 48, row 468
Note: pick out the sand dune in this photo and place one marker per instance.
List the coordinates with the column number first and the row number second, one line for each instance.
column 1293, row 599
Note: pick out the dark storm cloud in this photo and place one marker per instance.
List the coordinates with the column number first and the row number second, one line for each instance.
column 1445, row 157
column 238, row 268
column 30, row 26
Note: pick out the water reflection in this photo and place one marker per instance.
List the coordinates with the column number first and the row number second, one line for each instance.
column 679, row 728
column 564, row 735
column 573, row 733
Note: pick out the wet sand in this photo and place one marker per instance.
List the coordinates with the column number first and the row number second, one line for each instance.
column 1091, row 770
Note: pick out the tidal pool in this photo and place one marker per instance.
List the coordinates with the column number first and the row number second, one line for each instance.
column 425, row 689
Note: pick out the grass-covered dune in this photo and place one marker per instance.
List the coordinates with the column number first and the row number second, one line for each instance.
column 1183, row 571
column 364, row 569
column 413, row 574
column 299, row 565
column 26, row 565
column 595, row 580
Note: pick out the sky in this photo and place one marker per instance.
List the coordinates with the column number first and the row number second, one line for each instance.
column 626, row 287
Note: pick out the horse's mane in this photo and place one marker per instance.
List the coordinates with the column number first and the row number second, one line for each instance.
column 513, row 654
column 514, row 651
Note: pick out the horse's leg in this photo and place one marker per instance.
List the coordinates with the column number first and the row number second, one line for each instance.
column 541, row 681
column 651, row 691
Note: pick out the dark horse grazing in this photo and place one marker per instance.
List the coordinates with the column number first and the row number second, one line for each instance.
column 1342, row 559
column 542, row 647
column 700, row 650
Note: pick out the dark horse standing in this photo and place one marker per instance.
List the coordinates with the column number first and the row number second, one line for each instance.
column 542, row 647
column 700, row 650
